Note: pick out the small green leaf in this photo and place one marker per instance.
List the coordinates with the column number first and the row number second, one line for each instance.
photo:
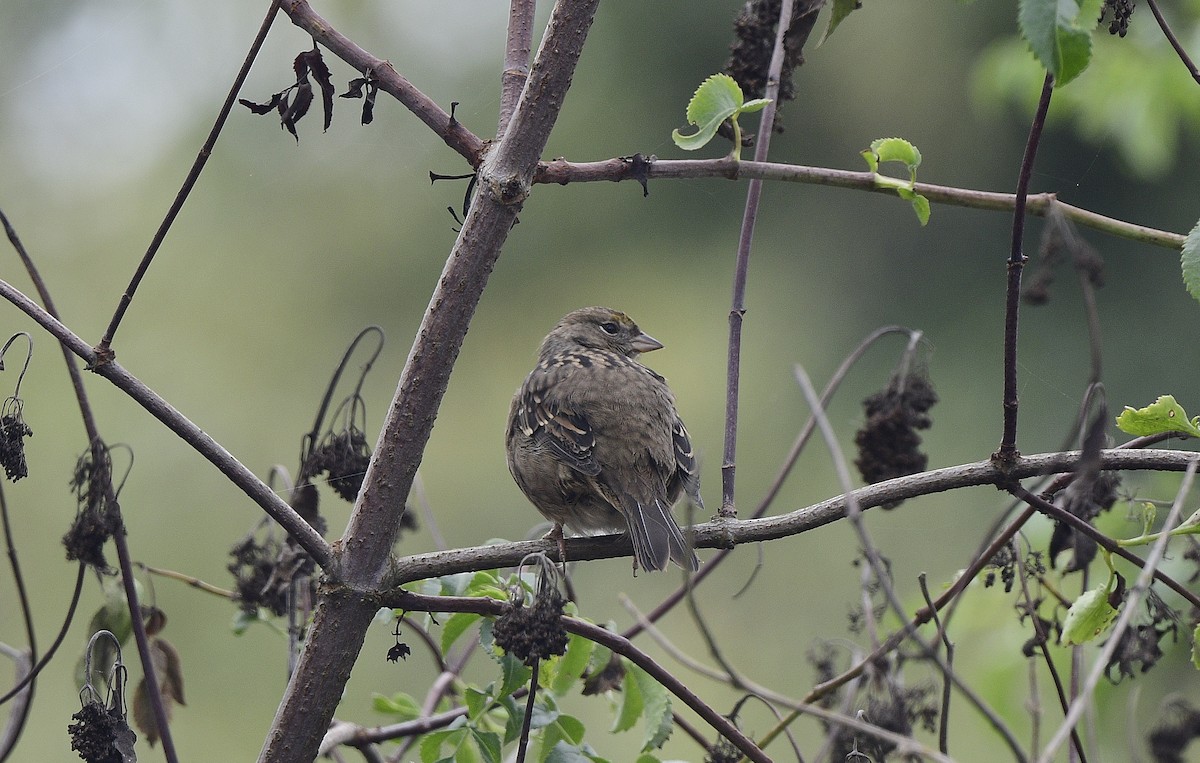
column 630, row 708
column 656, row 708
column 565, row 671
column 1190, row 262
column 1059, row 33
column 758, row 104
column 400, row 705
column 919, row 203
column 488, row 744
column 1163, row 415
column 1195, row 653
column 897, row 150
column 477, row 702
column 1090, row 615
column 515, row 675
column 718, row 98
column 456, row 625
column 841, row 9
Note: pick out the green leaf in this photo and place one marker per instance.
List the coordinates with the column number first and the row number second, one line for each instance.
column 897, row 150
column 488, row 744
column 1190, row 261
column 630, row 707
column 656, row 708
column 565, row 671
column 514, row 674
column 477, row 702
column 1163, row 415
column 841, row 9
column 919, row 203
column 758, row 104
column 456, row 625
column 567, row 753
column 718, row 98
column 431, row 744
column 1091, row 614
column 400, row 705
column 1195, row 654
column 1059, row 33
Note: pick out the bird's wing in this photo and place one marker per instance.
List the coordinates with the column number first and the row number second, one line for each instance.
column 685, row 463
column 564, row 434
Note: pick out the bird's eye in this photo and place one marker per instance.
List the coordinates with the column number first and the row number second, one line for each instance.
column 609, row 328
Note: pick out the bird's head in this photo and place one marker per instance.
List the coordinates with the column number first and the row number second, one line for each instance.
column 601, row 328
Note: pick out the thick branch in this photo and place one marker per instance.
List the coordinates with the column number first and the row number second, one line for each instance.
column 504, row 181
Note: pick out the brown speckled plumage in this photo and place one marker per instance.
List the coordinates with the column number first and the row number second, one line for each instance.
column 594, row 439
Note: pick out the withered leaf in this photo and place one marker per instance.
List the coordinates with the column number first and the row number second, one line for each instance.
column 310, row 61
column 356, row 90
column 297, row 108
column 274, row 104
column 170, row 676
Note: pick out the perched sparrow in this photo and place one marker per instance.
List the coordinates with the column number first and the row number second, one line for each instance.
column 594, row 440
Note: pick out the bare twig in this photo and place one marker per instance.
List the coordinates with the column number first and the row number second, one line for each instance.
column 23, row 661
column 197, row 438
column 562, row 172
column 1016, row 263
column 1171, row 38
column 737, row 310
column 390, row 81
column 1132, row 599
column 104, row 349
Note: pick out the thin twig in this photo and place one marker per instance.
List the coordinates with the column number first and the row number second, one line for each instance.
column 944, row 720
column 1132, row 599
column 24, row 665
column 104, row 349
column 883, row 576
column 737, row 309
column 1171, row 38
column 449, row 129
column 189, row 580
column 561, row 172
column 1016, row 263
column 905, row 744
column 62, row 634
column 280, row 511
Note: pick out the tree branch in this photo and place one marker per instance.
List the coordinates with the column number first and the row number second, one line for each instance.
column 563, row 172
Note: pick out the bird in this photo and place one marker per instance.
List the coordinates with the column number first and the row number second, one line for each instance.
column 594, row 440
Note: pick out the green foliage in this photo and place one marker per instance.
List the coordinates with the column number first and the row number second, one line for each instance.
column 1195, row 653
column 717, row 99
column 495, row 716
column 899, row 150
column 401, row 705
column 841, row 9
column 1059, row 33
column 1134, row 96
column 1190, row 262
column 1091, row 613
column 1163, row 415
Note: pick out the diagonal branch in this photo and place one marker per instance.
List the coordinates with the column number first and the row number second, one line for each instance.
column 505, row 177
column 238, row 474
column 390, row 81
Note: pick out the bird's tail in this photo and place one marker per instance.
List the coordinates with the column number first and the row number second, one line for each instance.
column 656, row 537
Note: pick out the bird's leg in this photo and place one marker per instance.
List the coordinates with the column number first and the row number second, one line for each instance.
column 556, row 534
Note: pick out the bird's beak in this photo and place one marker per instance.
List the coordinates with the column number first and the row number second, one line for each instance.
column 645, row 343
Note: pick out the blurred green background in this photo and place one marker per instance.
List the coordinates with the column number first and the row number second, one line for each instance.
column 285, row 250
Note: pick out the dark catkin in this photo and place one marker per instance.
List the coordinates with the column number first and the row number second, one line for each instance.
column 535, row 632
column 750, row 53
column 13, row 431
column 888, row 443
column 344, row 457
column 101, row 735
column 1122, row 10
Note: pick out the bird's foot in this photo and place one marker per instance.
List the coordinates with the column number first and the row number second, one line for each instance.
column 556, row 534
